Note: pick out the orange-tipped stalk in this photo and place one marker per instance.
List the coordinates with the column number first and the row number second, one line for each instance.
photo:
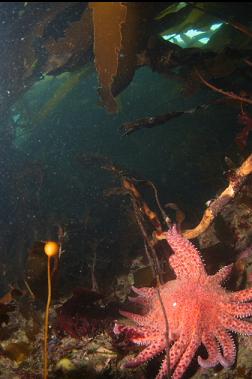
column 51, row 249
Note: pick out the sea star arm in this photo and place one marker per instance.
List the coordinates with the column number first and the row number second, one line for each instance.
column 212, row 348
column 140, row 300
column 145, row 291
column 241, row 296
column 238, row 309
column 228, row 348
column 176, row 352
column 149, row 352
column 138, row 319
column 139, row 336
column 186, row 357
column 144, row 296
column 186, row 259
column 236, row 325
column 222, row 274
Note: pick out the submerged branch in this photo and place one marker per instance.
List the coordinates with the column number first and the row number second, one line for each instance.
column 231, row 95
column 165, row 217
column 235, row 184
column 131, row 189
column 152, row 258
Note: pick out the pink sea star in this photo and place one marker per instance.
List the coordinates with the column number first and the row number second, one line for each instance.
column 198, row 309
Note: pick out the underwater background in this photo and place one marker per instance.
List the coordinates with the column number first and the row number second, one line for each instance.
column 78, row 167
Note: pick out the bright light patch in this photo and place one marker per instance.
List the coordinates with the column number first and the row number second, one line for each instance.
column 174, row 38
column 216, row 26
column 166, row 37
column 204, row 40
column 192, row 33
column 178, row 38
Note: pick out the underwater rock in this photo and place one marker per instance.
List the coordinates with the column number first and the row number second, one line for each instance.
column 18, row 351
column 81, row 315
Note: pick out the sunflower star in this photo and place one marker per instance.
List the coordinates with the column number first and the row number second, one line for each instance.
column 198, row 309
